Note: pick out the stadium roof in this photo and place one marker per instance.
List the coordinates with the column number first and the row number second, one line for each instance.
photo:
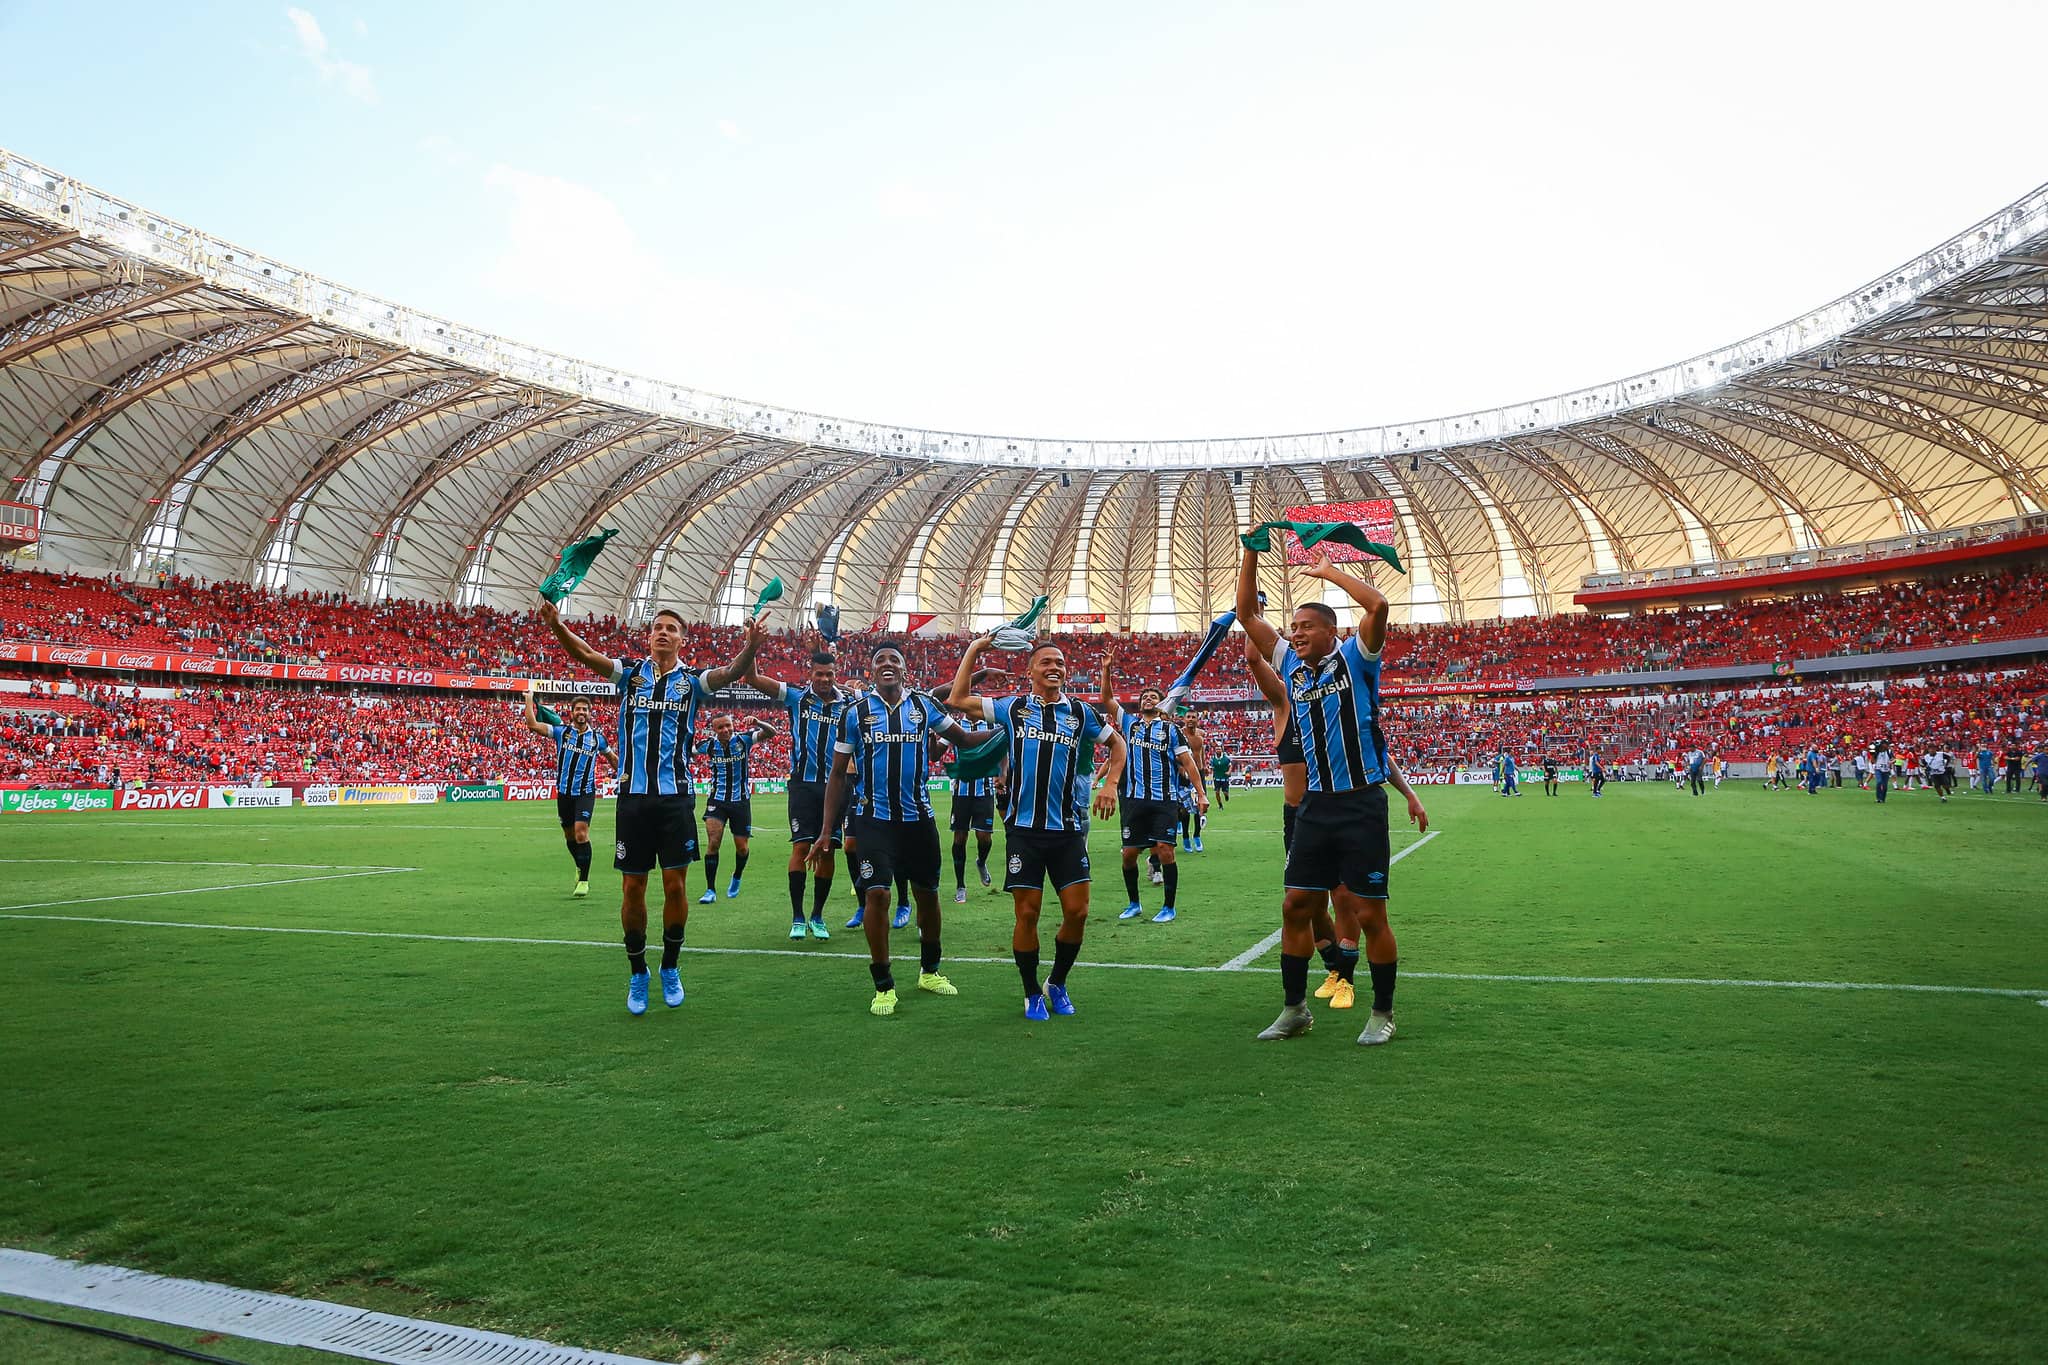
column 169, row 399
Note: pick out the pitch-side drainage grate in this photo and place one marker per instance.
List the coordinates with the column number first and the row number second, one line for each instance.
column 278, row 1318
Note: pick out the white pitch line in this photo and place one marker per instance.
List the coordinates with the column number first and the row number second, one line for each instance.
column 198, row 862
column 612, row 945
column 1265, row 945
column 198, row 890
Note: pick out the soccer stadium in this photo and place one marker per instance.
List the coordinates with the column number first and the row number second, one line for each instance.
column 1716, row 695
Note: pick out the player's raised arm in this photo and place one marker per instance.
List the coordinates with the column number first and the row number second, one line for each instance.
column 763, row 731
column 603, row 665
column 961, row 696
column 1263, row 676
column 533, row 720
column 1372, row 631
column 718, row 679
column 1112, row 709
column 1256, row 628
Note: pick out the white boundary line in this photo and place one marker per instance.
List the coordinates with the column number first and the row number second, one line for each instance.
column 196, row 862
column 1265, row 945
column 198, row 891
column 1531, row 979
column 277, row 1318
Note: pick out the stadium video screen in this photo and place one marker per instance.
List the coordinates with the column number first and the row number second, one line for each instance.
column 1374, row 515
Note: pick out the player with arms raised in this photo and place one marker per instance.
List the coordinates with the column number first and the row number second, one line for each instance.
column 577, row 746
column 814, row 711
column 731, row 804
column 1045, row 809
column 1148, row 797
column 1341, row 850
column 656, row 814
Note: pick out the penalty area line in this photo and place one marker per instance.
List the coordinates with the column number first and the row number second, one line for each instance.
column 1266, row 944
column 1503, row 978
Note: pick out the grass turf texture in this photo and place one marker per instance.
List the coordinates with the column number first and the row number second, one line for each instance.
column 479, row 1133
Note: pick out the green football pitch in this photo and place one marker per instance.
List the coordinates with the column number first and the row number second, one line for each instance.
column 1639, row 1106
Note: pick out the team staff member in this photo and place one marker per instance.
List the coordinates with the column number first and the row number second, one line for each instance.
column 731, row 803
column 577, row 747
column 1219, row 774
column 814, row 710
column 884, row 750
column 1341, row 853
column 656, row 814
column 1045, row 816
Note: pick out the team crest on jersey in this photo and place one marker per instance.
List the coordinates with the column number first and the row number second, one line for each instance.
column 867, row 869
column 1016, row 862
column 912, row 721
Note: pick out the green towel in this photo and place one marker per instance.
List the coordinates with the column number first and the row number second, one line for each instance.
column 1018, row 635
column 1311, row 533
column 548, row 715
column 771, row 593
column 576, row 561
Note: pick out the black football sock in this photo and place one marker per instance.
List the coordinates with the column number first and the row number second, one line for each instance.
column 574, row 854
column 796, row 896
column 903, row 890
column 1347, row 962
column 1131, row 882
column 710, row 872
column 671, row 945
column 928, row 954
column 636, row 953
column 739, row 865
column 1172, row 871
column 821, row 889
column 960, row 867
column 1382, row 986
column 885, row 980
column 1294, row 978
column 1332, row 959
column 1152, row 861
column 1063, row 955
column 1287, row 814
column 1027, row 967
column 583, row 862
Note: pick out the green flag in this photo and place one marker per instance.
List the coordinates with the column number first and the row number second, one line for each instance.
column 1311, row 533
column 547, row 714
column 1019, row 634
column 771, row 593
column 575, row 563
column 980, row 761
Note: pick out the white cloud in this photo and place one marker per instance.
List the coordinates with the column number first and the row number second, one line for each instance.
column 729, row 130
column 446, row 150
column 353, row 77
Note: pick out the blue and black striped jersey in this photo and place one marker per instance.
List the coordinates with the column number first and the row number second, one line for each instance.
column 1336, row 708
column 1152, row 764
column 576, row 754
column 813, row 726
column 729, row 779
column 1049, row 783
column 891, row 748
column 657, row 722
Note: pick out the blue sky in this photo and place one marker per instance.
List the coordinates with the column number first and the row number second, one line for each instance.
column 1138, row 219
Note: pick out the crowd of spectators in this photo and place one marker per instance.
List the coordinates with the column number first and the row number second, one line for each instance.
column 241, row 622
column 93, row 730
